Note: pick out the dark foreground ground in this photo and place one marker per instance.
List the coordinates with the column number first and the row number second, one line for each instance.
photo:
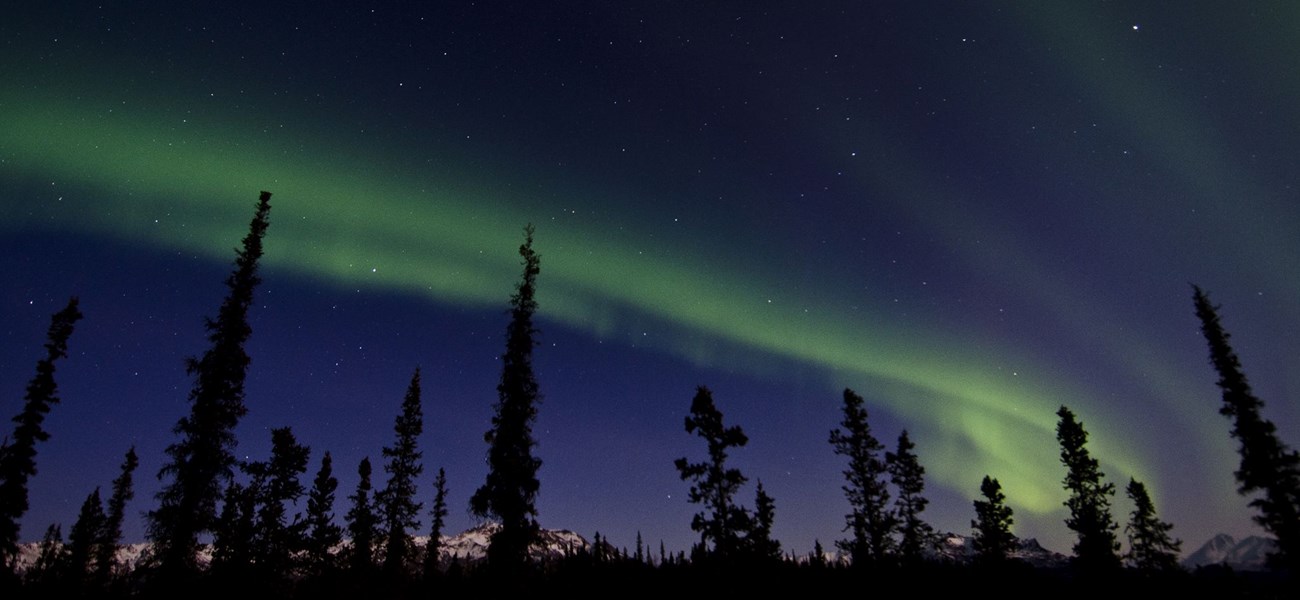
column 775, row 580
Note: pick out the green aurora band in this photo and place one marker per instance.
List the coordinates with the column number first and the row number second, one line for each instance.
column 188, row 188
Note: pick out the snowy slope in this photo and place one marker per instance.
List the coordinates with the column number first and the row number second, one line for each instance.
column 1249, row 554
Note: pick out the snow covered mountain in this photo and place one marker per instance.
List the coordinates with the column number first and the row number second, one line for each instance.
column 466, row 547
column 1249, row 554
column 471, row 545
column 958, row 548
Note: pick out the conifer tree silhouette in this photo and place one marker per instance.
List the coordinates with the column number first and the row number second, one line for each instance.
column 111, row 536
column 322, row 534
column 1089, row 500
column 869, row 519
column 437, row 519
column 277, row 539
column 18, row 453
column 908, row 477
column 362, row 523
column 1150, row 547
column 509, row 493
column 396, row 503
column 83, row 539
column 721, row 523
column 993, row 541
column 202, row 460
column 760, row 540
column 1269, row 470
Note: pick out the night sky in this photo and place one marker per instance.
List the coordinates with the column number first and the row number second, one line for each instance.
column 970, row 213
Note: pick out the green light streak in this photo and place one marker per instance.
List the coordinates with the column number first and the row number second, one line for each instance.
column 1187, row 141
column 356, row 224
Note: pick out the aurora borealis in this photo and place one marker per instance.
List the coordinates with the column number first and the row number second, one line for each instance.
column 968, row 214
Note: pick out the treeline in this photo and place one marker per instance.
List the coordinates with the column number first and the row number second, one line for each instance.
column 222, row 526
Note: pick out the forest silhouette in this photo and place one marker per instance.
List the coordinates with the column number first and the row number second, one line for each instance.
column 222, row 526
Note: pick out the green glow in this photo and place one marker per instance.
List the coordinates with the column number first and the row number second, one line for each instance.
column 1183, row 139
column 355, row 224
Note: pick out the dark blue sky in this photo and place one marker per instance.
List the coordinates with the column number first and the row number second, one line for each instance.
column 969, row 214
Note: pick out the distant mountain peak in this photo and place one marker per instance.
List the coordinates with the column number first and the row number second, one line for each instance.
column 1248, row 554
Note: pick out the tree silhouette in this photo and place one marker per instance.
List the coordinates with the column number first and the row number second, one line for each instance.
column 1150, row 546
column 322, row 534
column 993, row 541
column 51, row 556
column 232, row 534
column 275, row 539
column 714, row 484
column 509, row 493
column 398, row 509
column 1267, row 464
column 203, row 458
column 908, row 477
column 1089, row 500
column 869, row 518
column 123, row 492
column 760, row 541
column 437, row 519
column 817, row 557
column 18, row 453
column 362, row 523
column 83, row 539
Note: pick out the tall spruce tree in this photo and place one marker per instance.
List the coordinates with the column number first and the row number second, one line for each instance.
column 276, row 539
column 123, row 492
column 18, row 453
column 908, row 477
column 203, row 459
column 1269, row 470
column 722, row 522
column 83, row 540
column 322, row 534
column 1150, row 548
column 437, row 520
column 509, row 493
column 760, row 540
column 1089, row 500
column 869, row 519
column 362, row 523
column 993, row 541
column 52, row 554
column 396, row 503
column 235, row 528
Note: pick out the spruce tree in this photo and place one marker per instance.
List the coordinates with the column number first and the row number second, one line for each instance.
column 509, row 493
column 1269, row 470
column 817, row 558
column 714, row 485
column 1089, row 500
column 123, row 492
column 908, row 477
column 203, row 459
column 322, row 534
column 362, row 523
column 50, row 557
column 993, row 541
column 18, row 453
column 760, row 539
column 235, row 528
column 1150, row 546
column 275, row 538
column 869, row 518
column 437, row 519
column 83, row 539
column 398, row 509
